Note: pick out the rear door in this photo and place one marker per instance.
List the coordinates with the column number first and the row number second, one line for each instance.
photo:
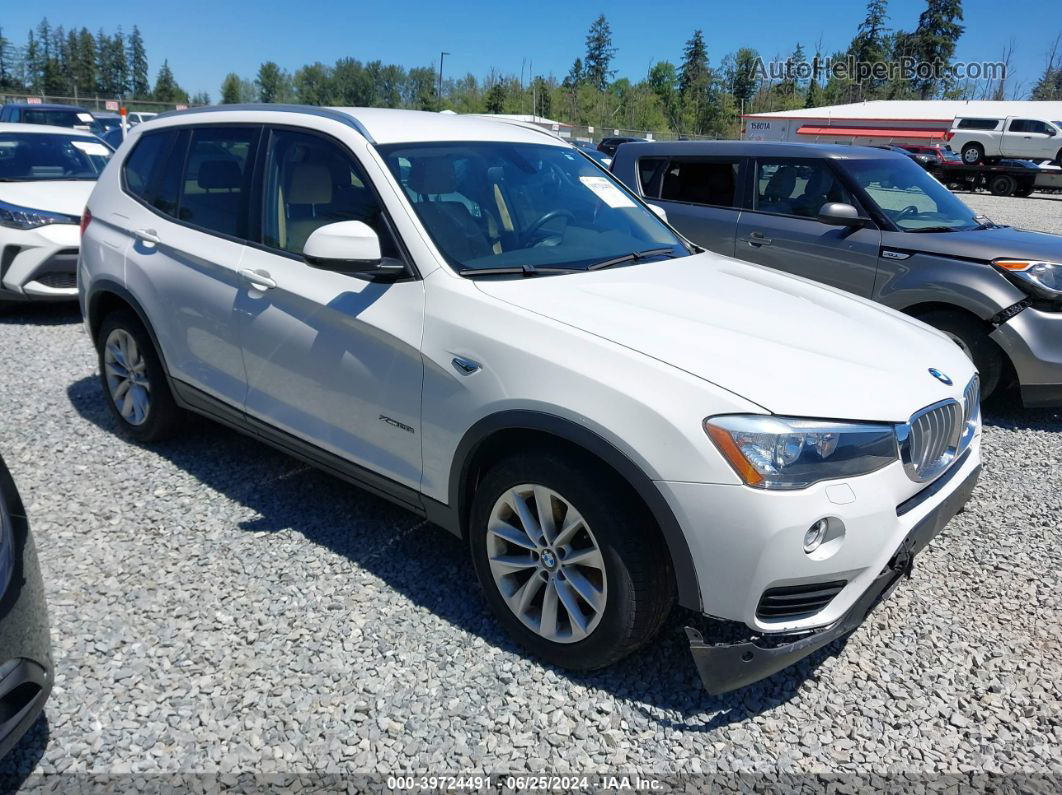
column 780, row 229
column 702, row 196
column 188, row 227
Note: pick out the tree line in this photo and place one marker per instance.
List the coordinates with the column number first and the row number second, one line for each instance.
column 77, row 63
column 696, row 94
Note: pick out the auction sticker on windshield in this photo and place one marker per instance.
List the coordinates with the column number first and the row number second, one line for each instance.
column 607, row 192
column 92, row 148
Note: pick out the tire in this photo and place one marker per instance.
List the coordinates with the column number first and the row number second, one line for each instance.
column 972, row 154
column 1002, row 185
column 970, row 335
column 1058, row 157
column 634, row 582
column 122, row 340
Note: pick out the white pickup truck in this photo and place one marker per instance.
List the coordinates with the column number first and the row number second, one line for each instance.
column 986, row 139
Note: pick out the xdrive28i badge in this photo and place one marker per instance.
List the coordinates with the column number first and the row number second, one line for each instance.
column 933, row 371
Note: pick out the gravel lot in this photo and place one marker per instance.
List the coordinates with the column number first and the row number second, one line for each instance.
column 219, row 607
column 1041, row 211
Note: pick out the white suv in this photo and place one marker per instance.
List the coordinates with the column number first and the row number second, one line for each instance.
column 478, row 322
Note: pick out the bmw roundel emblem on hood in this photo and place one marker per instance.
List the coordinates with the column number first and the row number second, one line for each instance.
column 933, row 371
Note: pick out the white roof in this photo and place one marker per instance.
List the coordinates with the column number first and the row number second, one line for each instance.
column 387, row 126
column 22, row 127
column 921, row 110
column 522, row 117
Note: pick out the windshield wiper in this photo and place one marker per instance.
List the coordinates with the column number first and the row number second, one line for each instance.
column 634, row 256
column 935, row 229
column 515, row 270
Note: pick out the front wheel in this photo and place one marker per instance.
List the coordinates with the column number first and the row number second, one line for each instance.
column 969, row 334
column 569, row 563
column 134, row 384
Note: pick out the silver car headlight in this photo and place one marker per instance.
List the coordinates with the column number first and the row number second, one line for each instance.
column 770, row 452
column 7, row 549
column 1039, row 278
column 15, row 217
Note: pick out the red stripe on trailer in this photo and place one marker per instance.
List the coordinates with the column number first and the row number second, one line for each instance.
column 871, row 132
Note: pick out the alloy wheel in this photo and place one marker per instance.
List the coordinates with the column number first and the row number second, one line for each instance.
column 126, row 372
column 546, row 563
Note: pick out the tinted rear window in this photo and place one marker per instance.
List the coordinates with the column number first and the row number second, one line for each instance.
column 698, row 181
column 978, row 124
column 216, row 179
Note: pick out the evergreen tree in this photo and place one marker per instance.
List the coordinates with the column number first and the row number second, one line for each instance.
column 136, row 57
column 575, row 75
column 869, row 46
column 166, row 88
column 599, row 54
column 270, row 80
column 312, row 84
column 695, row 79
column 85, row 62
column 496, row 98
column 7, row 76
column 745, row 78
column 934, row 43
column 31, row 64
column 201, row 98
column 230, row 89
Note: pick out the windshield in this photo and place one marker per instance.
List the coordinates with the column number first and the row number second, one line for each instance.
column 28, row 157
column 531, row 206
column 909, row 196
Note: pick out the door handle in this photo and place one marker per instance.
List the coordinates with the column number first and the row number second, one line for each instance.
column 148, row 236
column 260, row 280
column 756, row 239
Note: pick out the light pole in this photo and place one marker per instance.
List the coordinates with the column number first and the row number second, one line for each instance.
column 441, row 56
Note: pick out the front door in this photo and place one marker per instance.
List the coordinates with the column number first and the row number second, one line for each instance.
column 1028, row 138
column 331, row 359
column 782, row 230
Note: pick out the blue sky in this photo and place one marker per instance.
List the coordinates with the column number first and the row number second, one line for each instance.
column 205, row 40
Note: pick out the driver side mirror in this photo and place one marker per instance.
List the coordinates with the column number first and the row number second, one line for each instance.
column 841, row 214
column 348, row 247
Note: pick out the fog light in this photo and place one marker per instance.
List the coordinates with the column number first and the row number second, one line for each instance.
column 815, row 535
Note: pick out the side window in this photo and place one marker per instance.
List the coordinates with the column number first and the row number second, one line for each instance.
column 978, row 124
column 311, row 181
column 1019, row 125
column 701, row 181
column 216, row 181
column 650, row 175
column 145, row 163
column 797, row 187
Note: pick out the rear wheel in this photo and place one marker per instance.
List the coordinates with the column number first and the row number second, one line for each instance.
column 972, row 154
column 969, row 334
column 1002, row 185
column 134, row 384
column 568, row 560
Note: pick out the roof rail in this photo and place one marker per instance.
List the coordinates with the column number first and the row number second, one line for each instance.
column 311, row 110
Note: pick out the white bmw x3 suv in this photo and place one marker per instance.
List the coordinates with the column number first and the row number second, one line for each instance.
column 46, row 176
column 476, row 321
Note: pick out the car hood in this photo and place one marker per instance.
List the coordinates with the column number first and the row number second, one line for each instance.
column 981, row 244
column 55, row 196
column 785, row 343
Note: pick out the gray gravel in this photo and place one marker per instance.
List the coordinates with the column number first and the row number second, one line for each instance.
column 1041, row 211
column 219, row 607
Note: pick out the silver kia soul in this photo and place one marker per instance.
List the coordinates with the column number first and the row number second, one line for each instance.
column 875, row 224
column 475, row 320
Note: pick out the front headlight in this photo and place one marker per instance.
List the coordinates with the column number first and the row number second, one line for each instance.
column 7, row 549
column 15, row 217
column 1039, row 278
column 787, row 453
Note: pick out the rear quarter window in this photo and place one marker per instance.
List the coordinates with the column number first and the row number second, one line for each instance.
column 978, row 124
column 151, row 170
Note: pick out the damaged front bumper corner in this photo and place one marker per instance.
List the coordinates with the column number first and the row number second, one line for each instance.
column 729, row 666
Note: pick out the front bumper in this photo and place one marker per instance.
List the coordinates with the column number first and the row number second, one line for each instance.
column 26, row 669
column 1032, row 340
column 725, row 667
column 39, row 264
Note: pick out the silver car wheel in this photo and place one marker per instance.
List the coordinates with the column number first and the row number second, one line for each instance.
column 546, row 563
column 126, row 372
